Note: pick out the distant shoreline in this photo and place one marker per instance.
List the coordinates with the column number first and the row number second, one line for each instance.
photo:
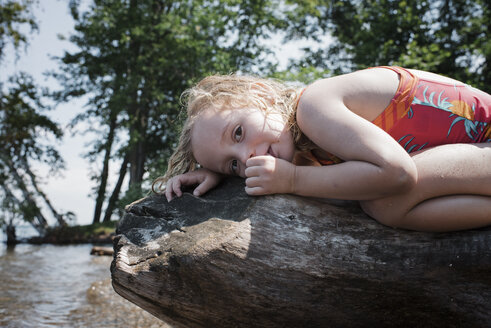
column 98, row 233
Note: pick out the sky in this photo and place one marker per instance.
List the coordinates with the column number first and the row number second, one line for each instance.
column 71, row 191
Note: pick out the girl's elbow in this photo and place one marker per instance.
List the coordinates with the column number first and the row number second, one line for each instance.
column 404, row 177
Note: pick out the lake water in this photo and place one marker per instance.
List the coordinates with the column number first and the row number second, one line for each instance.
column 62, row 286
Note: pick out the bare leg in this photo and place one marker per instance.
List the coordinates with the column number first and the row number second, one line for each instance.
column 453, row 191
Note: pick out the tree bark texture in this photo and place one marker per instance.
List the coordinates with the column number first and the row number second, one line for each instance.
column 231, row 260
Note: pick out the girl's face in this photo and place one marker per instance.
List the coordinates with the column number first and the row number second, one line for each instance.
column 223, row 140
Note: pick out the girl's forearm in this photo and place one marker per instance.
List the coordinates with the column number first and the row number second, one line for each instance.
column 353, row 180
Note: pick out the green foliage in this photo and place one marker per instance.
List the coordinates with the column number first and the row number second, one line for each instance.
column 13, row 16
column 79, row 233
column 22, row 123
column 24, row 130
column 446, row 37
column 11, row 212
column 302, row 75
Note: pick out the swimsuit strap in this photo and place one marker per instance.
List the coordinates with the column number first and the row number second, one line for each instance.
column 400, row 104
column 300, row 96
column 303, row 158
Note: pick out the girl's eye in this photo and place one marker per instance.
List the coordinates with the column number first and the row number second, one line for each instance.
column 238, row 133
column 234, row 166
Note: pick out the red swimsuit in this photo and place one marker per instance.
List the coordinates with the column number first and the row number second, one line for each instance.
column 426, row 113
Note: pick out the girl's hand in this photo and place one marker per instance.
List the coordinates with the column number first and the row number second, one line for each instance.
column 269, row 175
column 204, row 178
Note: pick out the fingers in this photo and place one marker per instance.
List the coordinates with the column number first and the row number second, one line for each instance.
column 255, row 186
column 269, row 175
column 259, row 164
column 205, row 180
column 173, row 187
column 175, row 184
column 255, row 191
column 259, row 160
column 252, row 171
column 204, row 186
column 253, row 182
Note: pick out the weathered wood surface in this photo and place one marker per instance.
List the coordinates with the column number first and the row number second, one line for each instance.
column 230, row 260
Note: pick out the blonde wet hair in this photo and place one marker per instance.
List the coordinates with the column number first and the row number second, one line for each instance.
column 231, row 92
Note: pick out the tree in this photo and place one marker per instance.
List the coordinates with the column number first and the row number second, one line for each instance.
column 15, row 14
column 22, row 126
column 136, row 58
column 448, row 37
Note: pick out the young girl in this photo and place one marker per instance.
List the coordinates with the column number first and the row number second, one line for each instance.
column 413, row 147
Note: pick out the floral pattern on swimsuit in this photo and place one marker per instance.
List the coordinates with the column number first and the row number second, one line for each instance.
column 439, row 113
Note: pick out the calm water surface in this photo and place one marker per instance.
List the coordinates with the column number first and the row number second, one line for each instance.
column 62, row 286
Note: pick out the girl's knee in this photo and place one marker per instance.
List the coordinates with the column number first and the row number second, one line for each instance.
column 384, row 211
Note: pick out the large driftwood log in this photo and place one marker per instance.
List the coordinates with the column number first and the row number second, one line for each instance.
column 230, row 260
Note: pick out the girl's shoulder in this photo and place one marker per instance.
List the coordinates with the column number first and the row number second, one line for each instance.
column 365, row 92
column 368, row 80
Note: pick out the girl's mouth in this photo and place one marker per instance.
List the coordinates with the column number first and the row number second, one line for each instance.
column 270, row 152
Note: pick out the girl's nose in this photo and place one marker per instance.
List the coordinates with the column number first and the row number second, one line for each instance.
column 247, row 153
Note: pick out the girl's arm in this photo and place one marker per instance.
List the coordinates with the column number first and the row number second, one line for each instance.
column 375, row 164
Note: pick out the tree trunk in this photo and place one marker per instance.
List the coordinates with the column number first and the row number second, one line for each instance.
column 11, row 235
column 231, row 260
column 101, row 192
column 137, row 109
column 117, row 189
column 13, row 209
column 137, row 160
